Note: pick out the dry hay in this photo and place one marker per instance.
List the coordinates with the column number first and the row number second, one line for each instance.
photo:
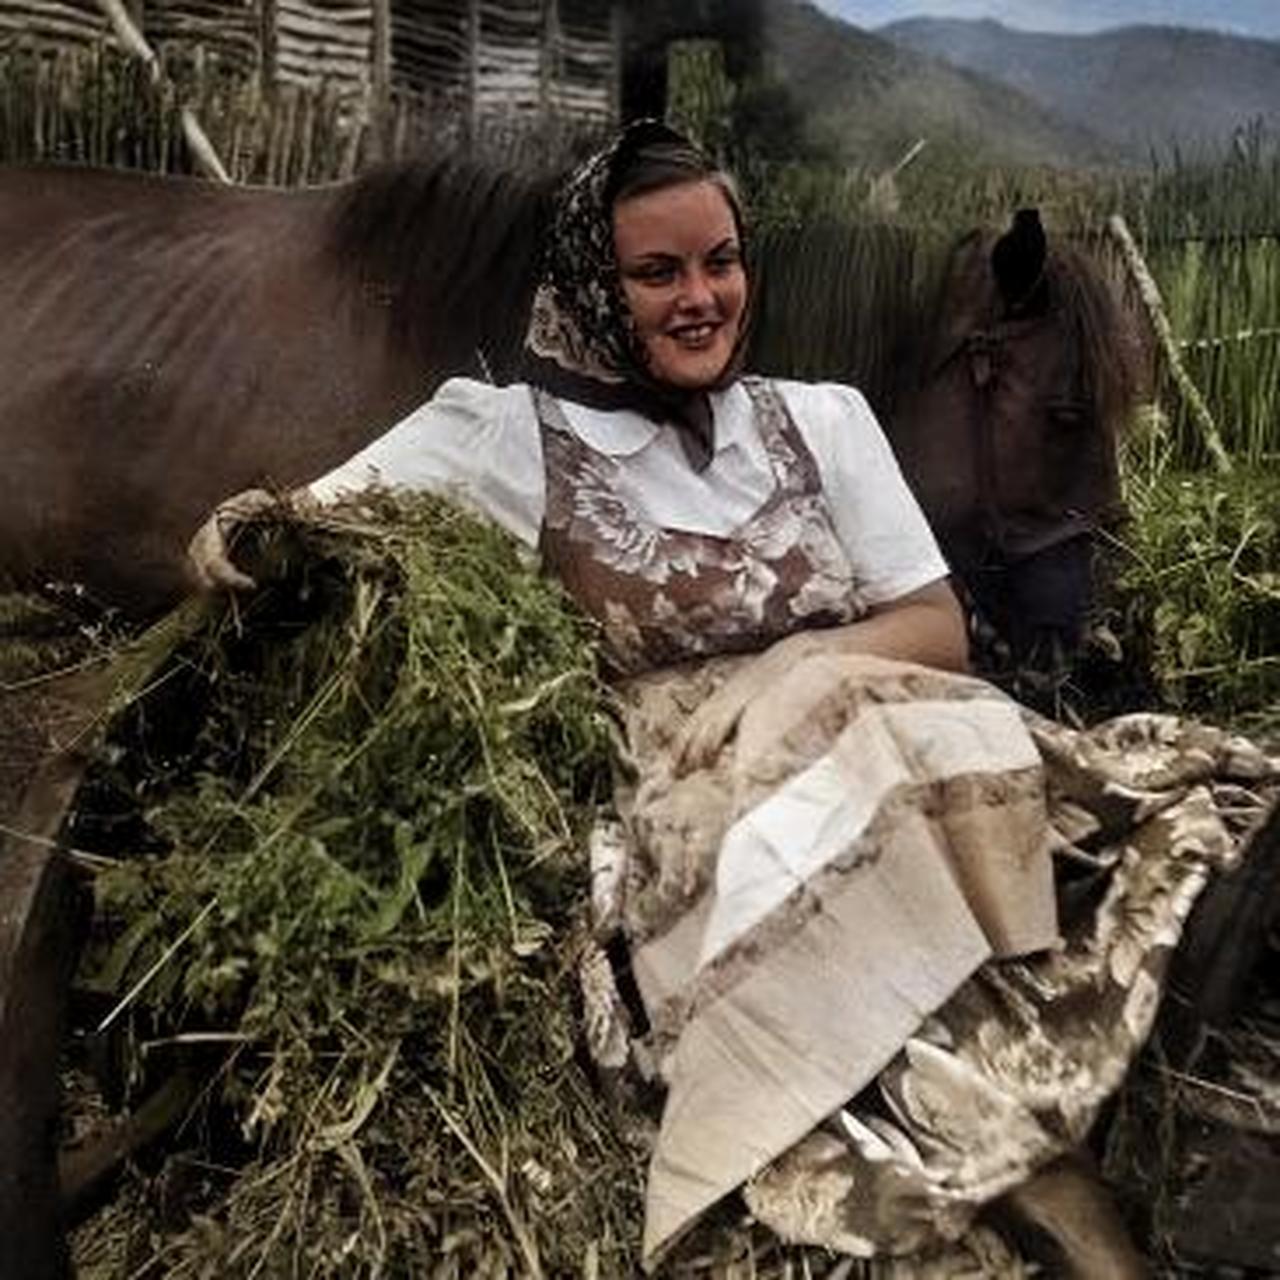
column 346, row 821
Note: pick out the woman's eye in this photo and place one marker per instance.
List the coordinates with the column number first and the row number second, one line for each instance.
column 722, row 264
column 655, row 273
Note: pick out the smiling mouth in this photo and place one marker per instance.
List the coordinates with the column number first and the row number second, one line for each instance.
column 694, row 335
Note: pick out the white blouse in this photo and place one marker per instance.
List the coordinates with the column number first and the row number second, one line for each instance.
column 482, row 445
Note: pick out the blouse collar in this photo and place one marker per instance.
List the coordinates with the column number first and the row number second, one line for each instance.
column 621, row 433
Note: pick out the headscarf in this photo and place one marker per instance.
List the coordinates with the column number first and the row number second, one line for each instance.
column 581, row 343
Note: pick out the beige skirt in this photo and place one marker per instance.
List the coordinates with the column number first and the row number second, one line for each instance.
column 897, row 886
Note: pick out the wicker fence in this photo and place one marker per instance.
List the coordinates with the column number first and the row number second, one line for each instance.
column 301, row 90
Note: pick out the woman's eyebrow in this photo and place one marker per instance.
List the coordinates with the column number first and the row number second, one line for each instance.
column 665, row 255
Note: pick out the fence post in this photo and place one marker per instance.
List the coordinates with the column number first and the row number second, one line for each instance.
column 473, row 69
column 202, row 152
column 380, row 79
column 268, row 44
column 550, row 63
column 1150, row 293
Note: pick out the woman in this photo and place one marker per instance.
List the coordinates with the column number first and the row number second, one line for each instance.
column 822, row 849
column 634, row 353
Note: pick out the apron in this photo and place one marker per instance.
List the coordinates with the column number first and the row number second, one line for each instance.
column 665, row 596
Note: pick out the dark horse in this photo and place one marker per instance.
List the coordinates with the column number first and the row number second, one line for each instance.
column 165, row 343
column 1008, row 428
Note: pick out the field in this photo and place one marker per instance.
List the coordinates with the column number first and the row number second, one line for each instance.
column 1194, row 601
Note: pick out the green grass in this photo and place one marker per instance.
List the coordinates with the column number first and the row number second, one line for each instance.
column 357, row 816
column 1202, row 557
column 1223, row 298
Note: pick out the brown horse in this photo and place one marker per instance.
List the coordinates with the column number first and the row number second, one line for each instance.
column 1008, row 426
column 166, row 342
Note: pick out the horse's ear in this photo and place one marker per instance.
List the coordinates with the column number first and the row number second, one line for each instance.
column 1018, row 258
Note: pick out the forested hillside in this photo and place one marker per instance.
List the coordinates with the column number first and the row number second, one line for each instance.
column 872, row 99
column 1140, row 87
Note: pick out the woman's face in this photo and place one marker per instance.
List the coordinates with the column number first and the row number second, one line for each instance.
column 683, row 279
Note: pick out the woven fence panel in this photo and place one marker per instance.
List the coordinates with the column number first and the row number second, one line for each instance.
column 455, row 64
column 431, row 45
column 324, row 41
column 510, row 57
column 228, row 31
column 65, row 23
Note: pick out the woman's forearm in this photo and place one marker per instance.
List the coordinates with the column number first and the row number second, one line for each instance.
column 926, row 626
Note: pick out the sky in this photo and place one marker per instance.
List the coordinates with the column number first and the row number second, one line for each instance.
column 1259, row 18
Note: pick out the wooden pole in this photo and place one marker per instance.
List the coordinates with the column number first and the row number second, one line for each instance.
column 269, row 45
column 473, row 68
column 380, row 81
column 617, row 61
column 550, row 63
column 133, row 41
column 1150, row 293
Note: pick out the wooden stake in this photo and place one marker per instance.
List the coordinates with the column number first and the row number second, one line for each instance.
column 202, row 152
column 1150, row 293
column 380, row 80
column 473, row 68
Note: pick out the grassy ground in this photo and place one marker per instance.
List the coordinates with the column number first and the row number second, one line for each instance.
column 407, row 1113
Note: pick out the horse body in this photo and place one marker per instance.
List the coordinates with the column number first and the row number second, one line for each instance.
column 168, row 342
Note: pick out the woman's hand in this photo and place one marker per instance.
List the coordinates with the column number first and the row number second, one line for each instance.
column 209, row 549
column 716, row 720
column 925, row 626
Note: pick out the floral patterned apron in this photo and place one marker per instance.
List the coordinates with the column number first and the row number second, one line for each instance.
column 664, row 596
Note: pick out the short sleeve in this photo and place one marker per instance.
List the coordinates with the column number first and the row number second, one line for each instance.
column 471, row 440
column 876, row 516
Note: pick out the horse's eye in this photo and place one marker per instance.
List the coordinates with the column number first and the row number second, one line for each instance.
column 1068, row 413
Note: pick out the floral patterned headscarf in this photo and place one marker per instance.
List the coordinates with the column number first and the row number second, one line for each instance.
column 581, row 343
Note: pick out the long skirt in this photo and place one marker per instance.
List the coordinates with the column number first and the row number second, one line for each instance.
column 897, row 943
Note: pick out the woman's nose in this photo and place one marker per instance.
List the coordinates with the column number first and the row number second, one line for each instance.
column 696, row 291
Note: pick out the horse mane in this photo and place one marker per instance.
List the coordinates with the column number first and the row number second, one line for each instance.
column 1110, row 350
column 1112, row 342
column 451, row 246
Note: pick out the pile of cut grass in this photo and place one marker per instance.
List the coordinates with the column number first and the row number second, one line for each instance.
column 347, row 823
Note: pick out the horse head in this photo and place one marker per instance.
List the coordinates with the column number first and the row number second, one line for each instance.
column 1009, row 429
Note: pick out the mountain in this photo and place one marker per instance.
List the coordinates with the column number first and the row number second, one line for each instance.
column 874, row 98
column 1258, row 18
column 1139, row 87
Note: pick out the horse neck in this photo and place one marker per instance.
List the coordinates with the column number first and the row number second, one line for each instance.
column 449, row 249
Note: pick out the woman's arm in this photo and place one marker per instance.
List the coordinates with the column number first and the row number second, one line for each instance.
column 472, row 441
column 924, row 626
